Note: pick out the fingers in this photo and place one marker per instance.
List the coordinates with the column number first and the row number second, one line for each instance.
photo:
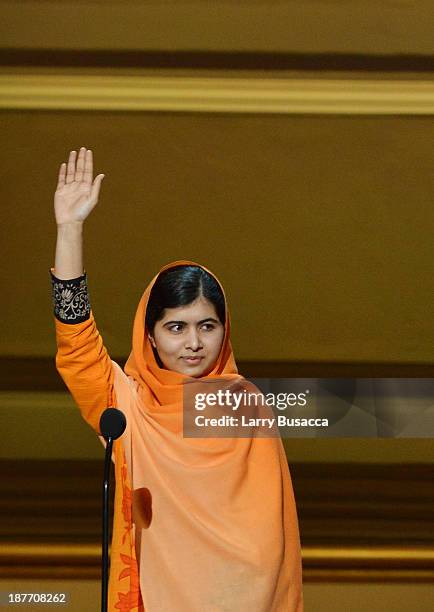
column 83, row 172
column 70, row 174
column 80, row 164
column 88, row 167
column 61, row 177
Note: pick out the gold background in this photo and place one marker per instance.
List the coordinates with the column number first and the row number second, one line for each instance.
column 320, row 228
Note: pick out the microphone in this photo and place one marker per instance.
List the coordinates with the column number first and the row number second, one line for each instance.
column 112, row 425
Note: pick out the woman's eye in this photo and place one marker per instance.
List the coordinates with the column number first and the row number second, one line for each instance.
column 178, row 327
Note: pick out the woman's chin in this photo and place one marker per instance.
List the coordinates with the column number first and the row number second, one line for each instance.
column 195, row 372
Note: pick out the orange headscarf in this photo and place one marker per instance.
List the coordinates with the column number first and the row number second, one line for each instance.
column 141, row 364
column 213, row 523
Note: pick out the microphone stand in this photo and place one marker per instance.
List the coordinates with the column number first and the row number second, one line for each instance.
column 112, row 425
column 105, row 524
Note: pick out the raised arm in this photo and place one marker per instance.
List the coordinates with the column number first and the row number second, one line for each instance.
column 82, row 359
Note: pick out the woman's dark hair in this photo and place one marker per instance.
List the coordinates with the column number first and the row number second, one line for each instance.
column 179, row 286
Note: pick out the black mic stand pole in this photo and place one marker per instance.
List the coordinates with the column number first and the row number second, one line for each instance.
column 112, row 425
column 105, row 523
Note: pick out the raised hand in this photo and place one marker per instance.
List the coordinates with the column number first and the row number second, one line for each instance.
column 76, row 193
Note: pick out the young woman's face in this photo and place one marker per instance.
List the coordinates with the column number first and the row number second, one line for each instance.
column 188, row 338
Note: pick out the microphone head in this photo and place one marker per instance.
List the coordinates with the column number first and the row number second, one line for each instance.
column 112, row 423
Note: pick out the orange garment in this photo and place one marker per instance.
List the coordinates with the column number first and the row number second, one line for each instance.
column 200, row 525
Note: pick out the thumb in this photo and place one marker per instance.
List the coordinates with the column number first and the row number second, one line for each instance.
column 96, row 186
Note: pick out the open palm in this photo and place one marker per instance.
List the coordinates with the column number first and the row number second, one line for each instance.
column 76, row 193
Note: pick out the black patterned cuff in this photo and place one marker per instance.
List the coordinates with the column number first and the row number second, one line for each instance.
column 70, row 299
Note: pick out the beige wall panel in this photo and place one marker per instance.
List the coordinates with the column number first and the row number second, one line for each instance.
column 308, row 26
column 33, row 421
column 319, row 227
column 336, row 597
column 361, row 597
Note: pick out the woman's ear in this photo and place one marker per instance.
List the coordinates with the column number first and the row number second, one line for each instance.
column 152, row 341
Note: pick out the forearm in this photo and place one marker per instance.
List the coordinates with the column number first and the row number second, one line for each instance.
column 86, row 368
column 81, row 359
column 69, row 251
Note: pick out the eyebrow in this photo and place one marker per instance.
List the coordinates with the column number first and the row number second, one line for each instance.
column 185, row 322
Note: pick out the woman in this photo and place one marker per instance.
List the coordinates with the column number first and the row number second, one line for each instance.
column 200, row 525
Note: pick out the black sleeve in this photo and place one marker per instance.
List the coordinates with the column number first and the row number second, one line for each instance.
column 70, row 299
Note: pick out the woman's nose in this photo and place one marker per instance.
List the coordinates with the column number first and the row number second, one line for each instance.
column 193, row 340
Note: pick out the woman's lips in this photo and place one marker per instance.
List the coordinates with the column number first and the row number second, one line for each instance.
column 192, row 360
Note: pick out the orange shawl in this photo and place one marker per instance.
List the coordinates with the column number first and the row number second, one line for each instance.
column 200, row 525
